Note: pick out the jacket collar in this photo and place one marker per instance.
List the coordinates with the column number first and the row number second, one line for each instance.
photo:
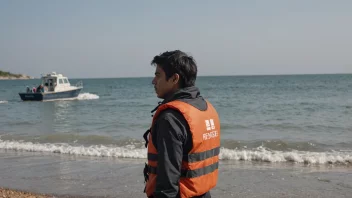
column 184, row 93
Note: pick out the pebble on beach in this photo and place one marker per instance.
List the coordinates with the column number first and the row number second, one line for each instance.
column 8, row 193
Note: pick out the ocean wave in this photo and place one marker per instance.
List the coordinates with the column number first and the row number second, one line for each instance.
column 121, row 141
column 3, row 101
column 128, row 151
column 260, row 154
column 73, row 139
column 280, row 145
column 265, row 155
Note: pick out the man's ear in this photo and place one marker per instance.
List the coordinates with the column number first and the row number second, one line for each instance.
column 175, row 78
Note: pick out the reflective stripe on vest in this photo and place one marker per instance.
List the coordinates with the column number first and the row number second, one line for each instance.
column 199, row 170
column 192, row 158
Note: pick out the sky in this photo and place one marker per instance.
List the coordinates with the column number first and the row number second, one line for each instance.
column 104, row 39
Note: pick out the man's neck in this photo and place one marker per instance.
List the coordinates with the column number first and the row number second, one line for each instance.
column 170, row 95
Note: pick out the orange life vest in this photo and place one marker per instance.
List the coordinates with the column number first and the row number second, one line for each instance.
column 199, row 172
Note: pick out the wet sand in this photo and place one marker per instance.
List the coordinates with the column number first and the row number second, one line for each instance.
column 79, row 176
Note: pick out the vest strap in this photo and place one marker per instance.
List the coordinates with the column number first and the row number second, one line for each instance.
column 145, row 136
column 192, row 173
column 200, row 172
column 195, row 157
column 145, row 173
column 151, row 169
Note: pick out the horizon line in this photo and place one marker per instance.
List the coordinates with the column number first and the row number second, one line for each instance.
column 221, row 75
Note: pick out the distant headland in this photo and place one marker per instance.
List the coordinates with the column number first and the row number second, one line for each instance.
column 10, row 76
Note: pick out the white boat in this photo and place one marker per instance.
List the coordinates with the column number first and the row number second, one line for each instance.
column 53, row 86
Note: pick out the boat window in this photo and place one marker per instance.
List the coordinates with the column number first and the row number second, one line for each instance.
column 60, row 81
column 65, row 80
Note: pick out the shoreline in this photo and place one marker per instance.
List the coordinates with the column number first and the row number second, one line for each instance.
column 4, row 75
column 15, row 78
column 63, row 176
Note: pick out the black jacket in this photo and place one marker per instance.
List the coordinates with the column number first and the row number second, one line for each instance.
column 172, row 139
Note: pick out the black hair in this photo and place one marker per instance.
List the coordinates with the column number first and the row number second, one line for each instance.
column 178, row 62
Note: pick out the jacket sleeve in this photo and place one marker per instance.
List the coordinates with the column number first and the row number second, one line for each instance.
column 170, row 135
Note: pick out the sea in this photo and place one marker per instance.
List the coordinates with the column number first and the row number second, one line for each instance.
column 303, row 120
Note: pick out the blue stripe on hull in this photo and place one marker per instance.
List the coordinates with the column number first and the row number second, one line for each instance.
column 49, row 96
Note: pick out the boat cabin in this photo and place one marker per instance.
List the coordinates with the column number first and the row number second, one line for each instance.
column 55, row 82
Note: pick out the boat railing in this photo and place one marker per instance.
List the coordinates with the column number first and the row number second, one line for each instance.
column 79, row 84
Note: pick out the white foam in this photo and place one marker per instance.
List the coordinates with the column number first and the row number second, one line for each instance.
column 3, row 101
column 82, row 96
column 95, row 150
column 262, row 154
column 130, row 151
column 87, row 96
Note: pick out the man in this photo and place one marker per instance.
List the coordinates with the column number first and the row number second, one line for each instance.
column 184, row 139
column 40, row 89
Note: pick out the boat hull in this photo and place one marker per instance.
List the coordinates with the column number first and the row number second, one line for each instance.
column 50, row 95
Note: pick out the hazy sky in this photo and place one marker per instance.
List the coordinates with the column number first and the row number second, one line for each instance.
column 119, row 38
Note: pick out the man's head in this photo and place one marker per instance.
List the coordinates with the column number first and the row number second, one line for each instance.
column 174, row 70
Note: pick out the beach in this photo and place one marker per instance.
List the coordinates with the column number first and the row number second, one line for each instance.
column 281, row 136
column 82, row 176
